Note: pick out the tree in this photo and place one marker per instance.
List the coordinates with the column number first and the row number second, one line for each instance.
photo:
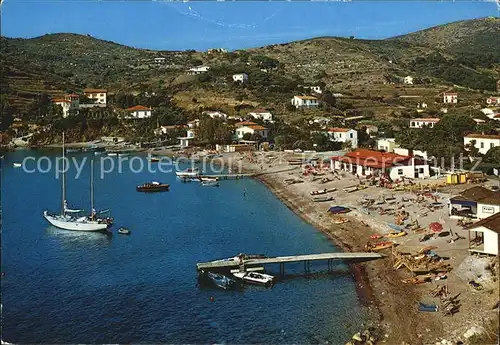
column 327, row 98
column 493, row 155
column 6, row 116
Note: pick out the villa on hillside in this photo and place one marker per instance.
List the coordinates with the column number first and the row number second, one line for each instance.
column 240, row 77
column 390, row 145
column 421, row 122
column 364, row 162
column 215, row 114
column 450, row 97
column 408, row 80
column 261, row 114
column 483, row 142
column 97, row 95
column 165, row 129
column 493, row 100
column 138, row 112
column 160, row 60
column 197, row 70
column 474, row 203
column 69, row 103
column 315, row 88
column 305, row 102
column 245, row 127
column 190, row 134
column 343, row 135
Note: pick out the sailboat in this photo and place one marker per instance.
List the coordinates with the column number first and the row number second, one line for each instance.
column 68, row 219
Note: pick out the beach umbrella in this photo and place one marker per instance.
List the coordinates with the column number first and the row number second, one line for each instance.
column 436, row 227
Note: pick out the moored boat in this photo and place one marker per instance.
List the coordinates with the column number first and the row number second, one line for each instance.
column 319, row 192
column 396, row 234
column 124, row 231
column 221, row 280
column 17, row 165
column 373, row 247
column 190, row 172
column 255, row 277
column 322, row 198
column 210, row 183
column 209, row 178
column 153, row 186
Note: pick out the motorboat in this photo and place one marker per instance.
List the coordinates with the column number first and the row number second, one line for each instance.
column 17, row 165
column 319, row 192
column 209, row 178
column 190, row 172
column 210, row 183
column 221, row 280
column 154, row 159
column 153, row 186
column 124, row 231
column 255, row 278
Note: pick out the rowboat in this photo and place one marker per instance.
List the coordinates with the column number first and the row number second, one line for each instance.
column 322, row 198
column 395, row 227
column 319, row 192
column 417, row 280
column 373, row 247
column 221, row 280
column 340, row 220
column 339, row 209
column 396, row 234
column 124, row 231
column 376, row 236
column 350, row 189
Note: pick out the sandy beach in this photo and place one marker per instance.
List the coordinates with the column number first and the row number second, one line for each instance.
column 392, row 303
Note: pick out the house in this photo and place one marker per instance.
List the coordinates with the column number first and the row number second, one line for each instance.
column 386, row 144
column 215, row 114
column 483, row 142
column 216, row 50
column 421, row 107
column 315, row 89
column 421, row 122
column 68, row 103
column 343, row 135
column 190, row 134
column 493, row 100
column 408, row 80
column 245, row 127
column 450, row 98
column 97, row 95
column 240, row 77
column 305, row 102
column 138, row 112
column 364, row 162
column 165, row 129
column 474, row 203
column 261, row 114
column 197, row 70
column 486, row 233
column 160, row 60
column 371, row 130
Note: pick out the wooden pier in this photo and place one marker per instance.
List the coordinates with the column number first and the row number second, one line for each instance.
column 247, row 263
column 228, row 176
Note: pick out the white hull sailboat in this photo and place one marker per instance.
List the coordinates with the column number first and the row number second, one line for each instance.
column 68, row 219
column 188, row 173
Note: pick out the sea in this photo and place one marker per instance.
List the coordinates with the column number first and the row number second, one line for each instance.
column 66, row 287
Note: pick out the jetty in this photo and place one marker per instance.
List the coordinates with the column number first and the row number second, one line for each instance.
column 228, row 176
column 246, row 264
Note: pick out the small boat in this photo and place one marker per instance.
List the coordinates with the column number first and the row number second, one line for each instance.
column 395, row 227
column 427, row 307
column 350, row 189
column 17, row 165
column 339, row 209
column 255, row 278
column 124, row 231
column 221, row 280
column 376, row 236
column 396, row 234
column 112, row 154
column 188, row 173
column 417, row 280
column 373, row 247
column 340, row 220
column 154, row 186
column 154, row 159
column 319, row 192
column 322, row 198
column 210, row 183
column 209, row 178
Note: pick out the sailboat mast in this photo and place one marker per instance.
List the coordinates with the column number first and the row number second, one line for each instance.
column 92, row 188
column 63, row 183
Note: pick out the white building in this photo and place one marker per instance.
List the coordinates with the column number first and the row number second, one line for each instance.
column 408, row 80
column 215, row 114
column 305, row 102
column 493, row 100
column 386, row 144
column 421, row 122
column 190, row 134
column 97, row 95
column 364, row 162
column 483, row 142
column 450, row 97
column 165, row 129
column 343, row 135
column 315, row 89
column 261, row 114
column 240, row 77
column 68, row 103
column 197, row 70
column 475, row 203
column 160, row 60
column 488, row 233
column 138, row 112
column 245, row 127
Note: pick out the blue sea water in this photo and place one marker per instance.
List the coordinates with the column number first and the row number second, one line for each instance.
column 67, row 287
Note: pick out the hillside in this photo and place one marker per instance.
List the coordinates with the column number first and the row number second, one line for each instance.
column 457, row 55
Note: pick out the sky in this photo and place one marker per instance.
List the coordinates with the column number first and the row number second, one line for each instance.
column 232, row 25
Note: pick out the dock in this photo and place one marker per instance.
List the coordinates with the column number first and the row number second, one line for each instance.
column 307, row 258
column 228, row 176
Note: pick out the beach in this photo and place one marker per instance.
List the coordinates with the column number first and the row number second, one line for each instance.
column 392, row 304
